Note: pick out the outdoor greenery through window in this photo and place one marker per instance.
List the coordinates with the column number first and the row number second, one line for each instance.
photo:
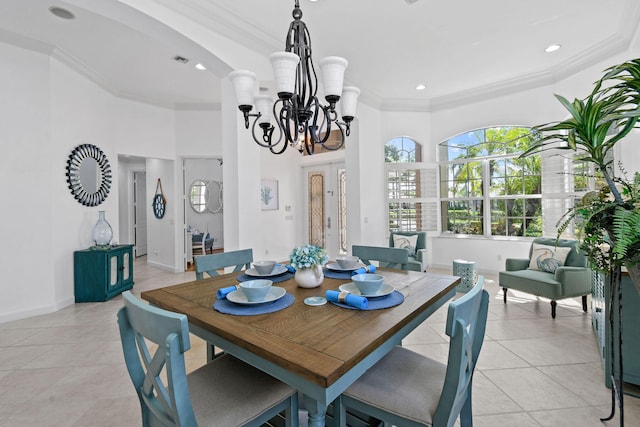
column 486, row 189
column 404, row 185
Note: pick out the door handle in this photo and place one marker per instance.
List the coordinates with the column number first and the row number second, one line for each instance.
column 329, row 223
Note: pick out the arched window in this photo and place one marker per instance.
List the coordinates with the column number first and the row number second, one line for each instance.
column 402, row 150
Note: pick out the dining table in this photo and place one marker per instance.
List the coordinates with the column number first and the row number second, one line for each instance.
column 318, row 349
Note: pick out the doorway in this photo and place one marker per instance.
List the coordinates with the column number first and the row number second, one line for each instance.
column 140, row 213
column 325, row 210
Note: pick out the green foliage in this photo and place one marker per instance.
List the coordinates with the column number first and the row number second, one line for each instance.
column 307, row 256
column 391, row 153
column 626, row 232
column 611, row 217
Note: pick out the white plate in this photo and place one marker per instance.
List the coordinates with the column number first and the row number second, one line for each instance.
column 336, row 267
column 238, row 297
column 277, row 270
column 385, row 289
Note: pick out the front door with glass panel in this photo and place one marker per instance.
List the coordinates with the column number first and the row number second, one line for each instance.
column 325, row 213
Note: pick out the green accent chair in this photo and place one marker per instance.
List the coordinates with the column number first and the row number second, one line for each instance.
column 210, row 263
column 225, row 392
column 417, row 262
column 573, row 279
column 387, row 257
column 408, row 389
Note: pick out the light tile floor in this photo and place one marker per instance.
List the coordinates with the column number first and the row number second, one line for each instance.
column 66, row 368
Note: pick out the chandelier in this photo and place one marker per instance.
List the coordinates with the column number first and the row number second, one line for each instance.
column 301, row 120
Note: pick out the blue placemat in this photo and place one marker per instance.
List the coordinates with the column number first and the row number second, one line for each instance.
column 227, row 307
column 275, row 279
column 333, row 274
column 391, row 300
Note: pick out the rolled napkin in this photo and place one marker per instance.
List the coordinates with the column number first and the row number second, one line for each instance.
column 347, row 298
column 290, row 268
column 222, row 293
column 366, row 269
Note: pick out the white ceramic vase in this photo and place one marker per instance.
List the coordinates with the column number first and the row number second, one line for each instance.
column 309, row 277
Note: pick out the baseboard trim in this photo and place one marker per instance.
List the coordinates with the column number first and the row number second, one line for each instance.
column 23, row 314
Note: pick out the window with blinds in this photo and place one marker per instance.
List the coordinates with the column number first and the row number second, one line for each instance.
column 411, row 187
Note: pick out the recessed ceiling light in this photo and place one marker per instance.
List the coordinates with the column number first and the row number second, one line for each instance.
column 421, row 87
column 61, row 13
column 200, row 66
column 552, row 48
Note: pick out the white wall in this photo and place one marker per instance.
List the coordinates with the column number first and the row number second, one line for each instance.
column 198, row 133
column 49, row 109
column 26, row 170
column 162, row 246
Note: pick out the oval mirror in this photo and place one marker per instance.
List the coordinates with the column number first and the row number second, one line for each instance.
column 214, row 202
column 88, row 174
column 198, row 195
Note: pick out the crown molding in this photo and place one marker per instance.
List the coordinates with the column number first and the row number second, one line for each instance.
column 25, row 42
column 198, row 106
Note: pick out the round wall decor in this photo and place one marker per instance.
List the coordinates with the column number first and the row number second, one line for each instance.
column 88, row 174
column 159, row 201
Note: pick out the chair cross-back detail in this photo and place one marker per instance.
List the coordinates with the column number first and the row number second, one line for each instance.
column 408, row 389
column 397, row 258
column 249, row 396
column 210, row 263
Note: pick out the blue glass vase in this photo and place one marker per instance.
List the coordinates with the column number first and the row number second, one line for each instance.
column 102, row 232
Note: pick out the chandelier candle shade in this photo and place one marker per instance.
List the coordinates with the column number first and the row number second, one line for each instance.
column 301, row 120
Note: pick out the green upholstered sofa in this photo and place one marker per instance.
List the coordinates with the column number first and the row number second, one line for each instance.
column 417, row 261
column 573, row 279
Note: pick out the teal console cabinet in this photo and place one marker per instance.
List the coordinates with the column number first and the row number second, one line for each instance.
column 101, row 274
column 630, row 330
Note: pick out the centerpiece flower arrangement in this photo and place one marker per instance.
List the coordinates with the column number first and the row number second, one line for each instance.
column 611, row 216
column 308, row 261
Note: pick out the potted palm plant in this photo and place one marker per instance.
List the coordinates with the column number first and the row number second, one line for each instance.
column 611, row 216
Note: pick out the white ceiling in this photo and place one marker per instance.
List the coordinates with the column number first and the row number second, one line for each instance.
column 461, row 50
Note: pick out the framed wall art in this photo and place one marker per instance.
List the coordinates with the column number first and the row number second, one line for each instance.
column 269, row 194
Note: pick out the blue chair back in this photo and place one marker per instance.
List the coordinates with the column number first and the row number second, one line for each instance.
column 466, row 323
column 210, row 263
column 167, row 404
column 397, row 258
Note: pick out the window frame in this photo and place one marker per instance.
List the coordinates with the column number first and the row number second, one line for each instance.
column 485, row 198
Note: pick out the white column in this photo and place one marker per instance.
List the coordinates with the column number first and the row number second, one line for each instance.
column 241, row 173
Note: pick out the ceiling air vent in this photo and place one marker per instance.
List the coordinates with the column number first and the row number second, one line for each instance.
column 180, row 59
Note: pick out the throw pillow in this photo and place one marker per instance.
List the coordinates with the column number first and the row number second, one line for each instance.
column 406, row 242
column 548, row 258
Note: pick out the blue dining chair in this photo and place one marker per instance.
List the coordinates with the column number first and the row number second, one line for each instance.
column 397, row 258
column 226, row 392
column 210, row 263
column 408, row 389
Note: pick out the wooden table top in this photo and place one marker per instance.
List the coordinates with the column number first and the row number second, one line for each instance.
column 318, row 343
